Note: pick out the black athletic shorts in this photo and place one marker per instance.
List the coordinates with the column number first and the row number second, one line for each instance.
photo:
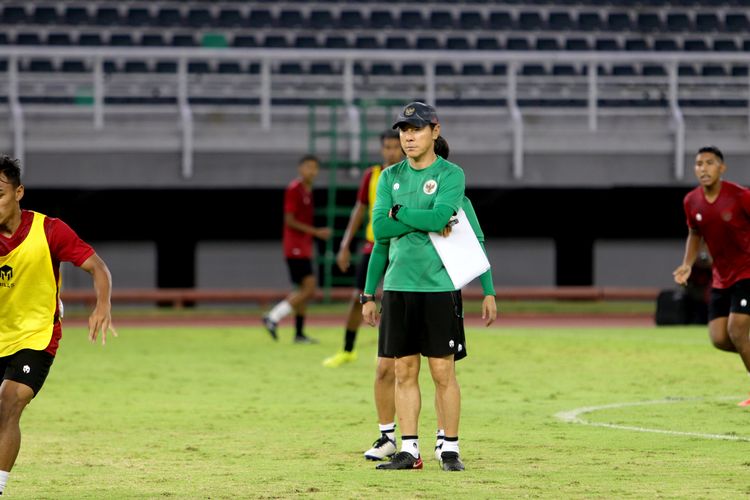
column 361, row 272
column 299, row 269
column 28, row 367
column 735, row 299
column 427, row 323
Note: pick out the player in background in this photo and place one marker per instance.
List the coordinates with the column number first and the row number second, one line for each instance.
column 32, row 246
column 298, row 249
column 718, row 212
column 385, row 445
column 390, row 150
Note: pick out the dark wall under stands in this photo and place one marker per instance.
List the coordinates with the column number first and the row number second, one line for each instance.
column 177, row 219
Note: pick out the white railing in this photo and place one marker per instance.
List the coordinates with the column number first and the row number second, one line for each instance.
column 348, row 86
column 679, row 122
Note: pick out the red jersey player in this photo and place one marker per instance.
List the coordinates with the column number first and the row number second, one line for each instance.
column 298, row 248
column 718, row 212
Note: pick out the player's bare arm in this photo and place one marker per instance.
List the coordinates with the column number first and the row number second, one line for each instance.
column 322, row 233
column 489, row 310
column 100, row 320
column 692, row 247
column 370, row 313
column 344, row 255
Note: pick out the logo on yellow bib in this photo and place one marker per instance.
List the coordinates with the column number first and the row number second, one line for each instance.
column 6, row 275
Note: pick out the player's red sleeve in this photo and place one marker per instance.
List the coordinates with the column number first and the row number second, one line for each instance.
column 745, row 201
column 291, row 201
column 64, row 243
column 688, row 221
column 363, row 194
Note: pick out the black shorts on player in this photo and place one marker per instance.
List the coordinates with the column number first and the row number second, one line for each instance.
column 28, row 367
column 735, row 299
column 299, row 269
column 427, row 323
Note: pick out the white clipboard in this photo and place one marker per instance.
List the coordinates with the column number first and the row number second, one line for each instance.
column 461, row 253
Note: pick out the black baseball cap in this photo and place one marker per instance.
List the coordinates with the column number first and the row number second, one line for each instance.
column 418, row 114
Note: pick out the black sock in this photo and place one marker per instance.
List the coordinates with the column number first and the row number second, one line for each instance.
column 299, row 323
column 351, row 336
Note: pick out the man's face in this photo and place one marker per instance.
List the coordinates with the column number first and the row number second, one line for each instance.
column 308, row 170
column 9, row 201
column 390, row 149
column 417, row 141
column 708, row 169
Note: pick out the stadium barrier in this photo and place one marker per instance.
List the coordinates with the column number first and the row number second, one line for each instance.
column 181, row 297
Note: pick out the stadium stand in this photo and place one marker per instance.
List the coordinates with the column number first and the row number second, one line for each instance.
column 204, row 94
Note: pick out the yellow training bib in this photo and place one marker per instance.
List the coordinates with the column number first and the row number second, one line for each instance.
column 28, row 293
column 372, row 188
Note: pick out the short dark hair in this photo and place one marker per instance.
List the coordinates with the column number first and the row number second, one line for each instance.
column 389, row 134
column 441, row 147
column 11, row 169
column 308, row 157
column 712, row 149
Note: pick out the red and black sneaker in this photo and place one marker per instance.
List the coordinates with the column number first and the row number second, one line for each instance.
column 402, row 460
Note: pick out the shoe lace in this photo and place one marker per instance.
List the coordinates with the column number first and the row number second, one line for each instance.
column 382, row 441
column 403, row 457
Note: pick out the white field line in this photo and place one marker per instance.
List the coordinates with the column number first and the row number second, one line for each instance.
column 575, row 417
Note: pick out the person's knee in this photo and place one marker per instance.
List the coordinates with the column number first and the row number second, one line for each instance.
column 723, row 343
column 12, row 405
column 406, row 371
column 738, row 331
column 385, row 372
column 443, row 373
column 307, row 288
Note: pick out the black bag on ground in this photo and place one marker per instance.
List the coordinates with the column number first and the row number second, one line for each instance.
column 678, row 307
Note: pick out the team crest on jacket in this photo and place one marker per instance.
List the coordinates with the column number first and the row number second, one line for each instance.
column 430, row 186
column 726, row 215
column 698, row 217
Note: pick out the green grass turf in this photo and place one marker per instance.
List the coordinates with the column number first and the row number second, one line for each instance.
column 574, row 307
column 226, row 413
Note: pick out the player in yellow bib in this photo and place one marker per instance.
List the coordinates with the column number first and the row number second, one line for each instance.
column 390, row 150
column 32, row 246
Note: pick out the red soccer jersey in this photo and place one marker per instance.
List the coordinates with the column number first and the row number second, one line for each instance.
column 64, row 246
column 725, row 227
column 298, row 201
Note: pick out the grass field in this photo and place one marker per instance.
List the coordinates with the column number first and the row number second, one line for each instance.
column 588, row 307
column 226, row 413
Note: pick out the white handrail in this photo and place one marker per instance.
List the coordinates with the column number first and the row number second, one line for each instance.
column 517, row 121
column 186, row 119
column 265, row 94
column 596, row 86
column 679, row 121
column 429, row 80
column 98, row 94
column 593, row 97
column 16, row 112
